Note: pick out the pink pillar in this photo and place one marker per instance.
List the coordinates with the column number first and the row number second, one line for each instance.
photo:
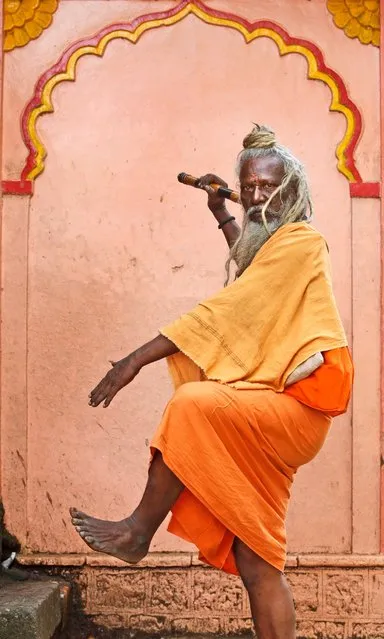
column 1, row 169
column 382, row 267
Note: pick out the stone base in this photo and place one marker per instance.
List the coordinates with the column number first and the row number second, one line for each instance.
column 30, row 610
column 339, row 597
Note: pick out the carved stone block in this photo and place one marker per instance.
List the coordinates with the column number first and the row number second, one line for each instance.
column 217, row 591
column 151, row 624
column 377, row 592
column 239, row 625
column 305, row 588
column 344, row 594
column 207, row 625
column 118, row 590
column 367, row 630
column 168, row 591
column 320, row 630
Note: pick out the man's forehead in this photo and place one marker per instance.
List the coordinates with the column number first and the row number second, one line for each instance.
column 262, row 168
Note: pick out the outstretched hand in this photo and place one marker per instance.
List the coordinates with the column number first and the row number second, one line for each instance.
column 121, row 374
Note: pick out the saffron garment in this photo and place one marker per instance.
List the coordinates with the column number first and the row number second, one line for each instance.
column 232, row 433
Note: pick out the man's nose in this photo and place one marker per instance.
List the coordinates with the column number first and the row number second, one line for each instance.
column 257, row 195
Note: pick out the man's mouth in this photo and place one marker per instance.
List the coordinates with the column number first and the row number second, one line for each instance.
column 254, row 214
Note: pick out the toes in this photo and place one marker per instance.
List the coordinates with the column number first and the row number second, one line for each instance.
column 76, row 521
column 85, row 534
column 79, row 518
column 77, row 514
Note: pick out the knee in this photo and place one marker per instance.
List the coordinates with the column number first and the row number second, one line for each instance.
column 196, row 393
column 252, row 568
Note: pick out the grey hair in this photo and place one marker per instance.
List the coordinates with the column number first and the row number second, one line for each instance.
column 261, row 142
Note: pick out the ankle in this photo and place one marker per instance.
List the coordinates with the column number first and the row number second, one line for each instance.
column 138, row 528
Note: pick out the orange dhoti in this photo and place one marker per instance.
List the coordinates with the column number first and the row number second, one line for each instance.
column 236, row 452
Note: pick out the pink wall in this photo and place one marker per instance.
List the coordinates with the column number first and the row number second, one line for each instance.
column 110, row 247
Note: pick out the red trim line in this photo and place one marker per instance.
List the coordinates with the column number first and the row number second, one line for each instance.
column 17, row 187
column 60, row 67
column 365, row 189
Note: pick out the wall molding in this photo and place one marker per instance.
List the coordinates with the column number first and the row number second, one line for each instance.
column 365, row 189
column 17, row 187
column 185, row 559
column 65, row 70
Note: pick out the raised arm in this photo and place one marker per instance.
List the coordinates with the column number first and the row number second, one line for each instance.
column 126, row 369
column 216, row 205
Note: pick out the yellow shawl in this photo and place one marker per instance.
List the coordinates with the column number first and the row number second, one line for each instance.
column 277, row 314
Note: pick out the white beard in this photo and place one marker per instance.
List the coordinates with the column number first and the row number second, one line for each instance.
column 253, row 237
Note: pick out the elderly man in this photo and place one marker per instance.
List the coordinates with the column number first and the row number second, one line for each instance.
column 260, row 368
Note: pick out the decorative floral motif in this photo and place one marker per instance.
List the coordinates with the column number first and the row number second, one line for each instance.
column 25, row 20
column 358, row 19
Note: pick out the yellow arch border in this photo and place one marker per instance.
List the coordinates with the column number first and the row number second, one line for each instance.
column 65, row 70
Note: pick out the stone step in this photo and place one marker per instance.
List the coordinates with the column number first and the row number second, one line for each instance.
column 30, row 609
column 128, row 634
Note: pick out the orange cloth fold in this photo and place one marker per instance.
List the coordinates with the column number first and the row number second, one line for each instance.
column 328, row 389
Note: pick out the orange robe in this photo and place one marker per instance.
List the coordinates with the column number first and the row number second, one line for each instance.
column 232, row 433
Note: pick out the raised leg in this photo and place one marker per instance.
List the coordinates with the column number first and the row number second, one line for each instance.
column 129, row 539
column 271, row 601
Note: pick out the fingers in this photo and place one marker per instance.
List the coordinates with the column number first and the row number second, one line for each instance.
column 209, row 190
column 100, row 396
column 104, row 392
column 208, row 179
column 105, row 397
column 97, row 399
column 103, row 389
column 101, row 392
column 110, row 397
column 94, row 394
column 121, row 374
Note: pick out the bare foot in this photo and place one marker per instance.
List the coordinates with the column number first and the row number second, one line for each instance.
column 121, row 539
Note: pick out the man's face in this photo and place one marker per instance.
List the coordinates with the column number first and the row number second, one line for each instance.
column 259, row 177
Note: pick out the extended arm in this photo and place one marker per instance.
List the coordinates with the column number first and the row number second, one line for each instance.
column 125, row 370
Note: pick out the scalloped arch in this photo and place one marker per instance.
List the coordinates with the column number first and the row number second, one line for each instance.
column 65, row 70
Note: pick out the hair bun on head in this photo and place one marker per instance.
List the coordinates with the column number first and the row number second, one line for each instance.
column 261, row 137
